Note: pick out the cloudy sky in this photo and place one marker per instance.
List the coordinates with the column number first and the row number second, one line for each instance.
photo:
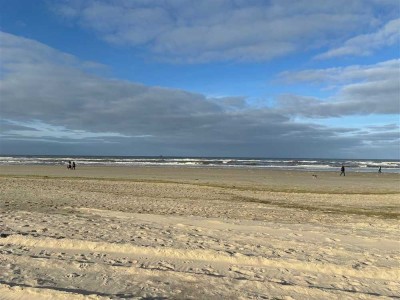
column 257, row 78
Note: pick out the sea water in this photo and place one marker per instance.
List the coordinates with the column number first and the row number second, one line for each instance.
column 314, row 164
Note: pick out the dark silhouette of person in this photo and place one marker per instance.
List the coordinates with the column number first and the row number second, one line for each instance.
column 73, row 165
column 342, row 171
column 69, row 165
column 380, row 170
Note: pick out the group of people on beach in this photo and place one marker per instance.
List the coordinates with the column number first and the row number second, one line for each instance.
column 71, row 165
column 343, row 170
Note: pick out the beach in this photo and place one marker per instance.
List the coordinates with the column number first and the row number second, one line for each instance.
column 197, row 233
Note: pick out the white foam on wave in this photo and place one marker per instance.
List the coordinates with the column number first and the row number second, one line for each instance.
column 288, row 164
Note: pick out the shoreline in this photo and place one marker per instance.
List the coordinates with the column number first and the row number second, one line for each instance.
column 259, row 179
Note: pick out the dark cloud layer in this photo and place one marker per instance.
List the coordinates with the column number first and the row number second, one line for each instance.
column 50, row 103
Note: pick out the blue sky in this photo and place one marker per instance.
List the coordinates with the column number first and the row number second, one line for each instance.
column 202, row 78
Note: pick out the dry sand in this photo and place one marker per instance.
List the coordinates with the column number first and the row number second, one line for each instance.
column 197, row 233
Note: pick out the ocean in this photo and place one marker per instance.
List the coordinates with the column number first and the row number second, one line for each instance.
column 352, row 165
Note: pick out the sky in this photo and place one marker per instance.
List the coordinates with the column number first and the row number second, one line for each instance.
column 233, row 78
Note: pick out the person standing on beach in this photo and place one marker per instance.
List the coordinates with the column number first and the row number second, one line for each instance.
column 342, row 171
column 69, row 166
column 73, row 165
column 380, row 169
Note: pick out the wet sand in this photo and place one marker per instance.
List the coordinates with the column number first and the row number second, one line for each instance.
column 197, row 233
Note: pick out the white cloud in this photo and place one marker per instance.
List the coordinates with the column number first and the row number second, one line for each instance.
column 362, row 90
column 381, row 71
column 37, row 129
column 366, row 44
column 218, row 30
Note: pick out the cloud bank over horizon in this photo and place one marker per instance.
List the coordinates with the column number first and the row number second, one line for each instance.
column 55, row 99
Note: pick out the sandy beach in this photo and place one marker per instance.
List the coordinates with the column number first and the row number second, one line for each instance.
column 197, row 233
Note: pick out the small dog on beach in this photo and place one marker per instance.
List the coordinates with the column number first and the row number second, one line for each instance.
column 314, row 176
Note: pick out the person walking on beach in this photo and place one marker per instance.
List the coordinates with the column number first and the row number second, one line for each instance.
column 380, row 169
column 69, row 166
column 342, row 171
column 73, row 165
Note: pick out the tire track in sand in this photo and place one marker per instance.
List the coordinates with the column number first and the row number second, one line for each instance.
column 209, row 256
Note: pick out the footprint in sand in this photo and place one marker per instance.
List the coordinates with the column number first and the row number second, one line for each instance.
column 166, row 266
column 241, row 272
column 73, row 275
column 332, row 240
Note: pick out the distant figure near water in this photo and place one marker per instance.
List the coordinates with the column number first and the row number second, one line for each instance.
column 380, row 170
column 342, row 171
column 71, row 165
